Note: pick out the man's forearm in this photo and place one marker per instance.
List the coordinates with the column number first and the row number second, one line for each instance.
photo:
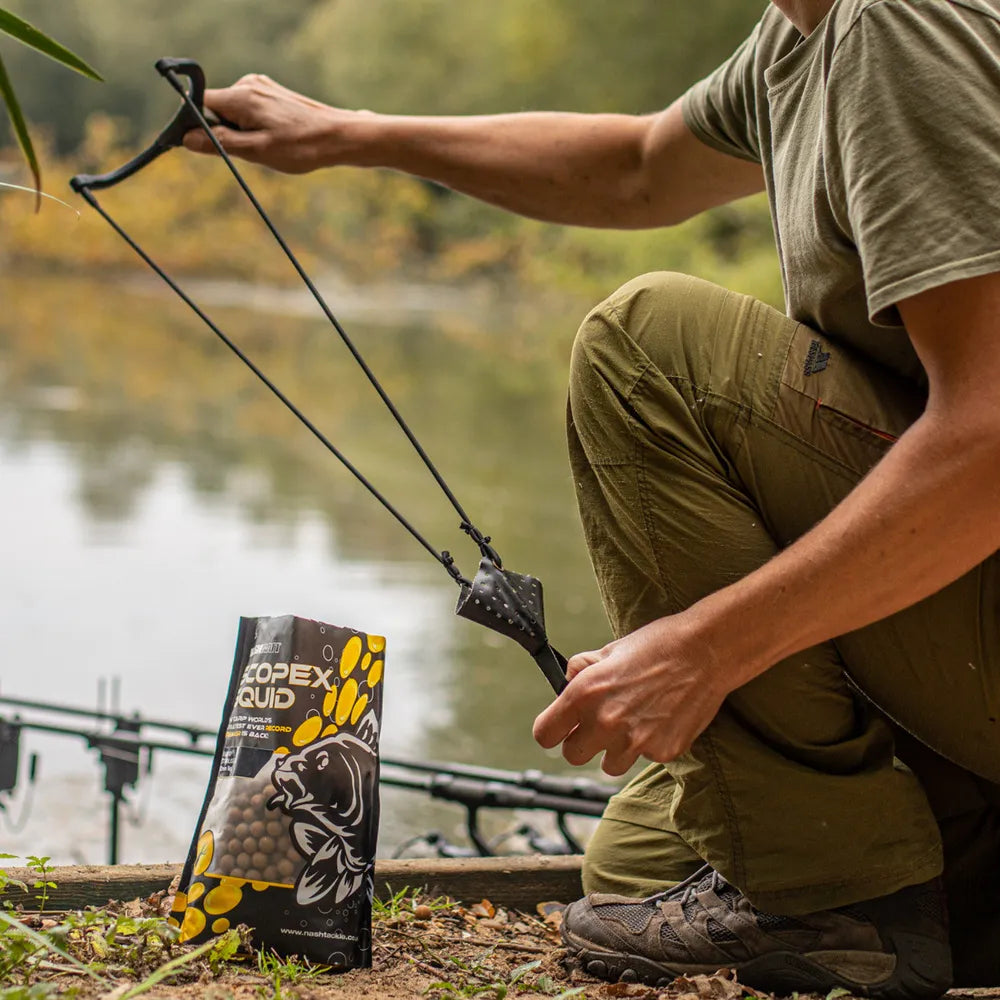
column 621, row 171
column 926, row 514
column 558, row 167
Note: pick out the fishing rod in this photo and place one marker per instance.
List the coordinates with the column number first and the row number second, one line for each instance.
column 497, row 598
column 475, row 794
column 548, row 784
column 135, row 719
column 125, row 755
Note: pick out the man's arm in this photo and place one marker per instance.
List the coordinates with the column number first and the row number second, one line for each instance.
column 926, row 514
column 612, row 171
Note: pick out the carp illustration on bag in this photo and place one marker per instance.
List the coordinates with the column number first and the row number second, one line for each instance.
column 330, row 836
column 287, row 835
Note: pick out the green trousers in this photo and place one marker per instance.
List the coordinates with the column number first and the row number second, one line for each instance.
column 707, row 431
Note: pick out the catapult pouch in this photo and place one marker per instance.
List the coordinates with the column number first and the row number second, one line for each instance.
column 286, row 838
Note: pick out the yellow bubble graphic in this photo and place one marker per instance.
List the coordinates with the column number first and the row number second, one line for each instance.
column 281, row 751
column 173, row 922
column 206, row 848
column 260, row 886
column 346, row 701
column 180, row 901
column 359, row 707
column 196, row 891
column 220, row 926
column 349, row 657
column 375, row 674
column 222, row 899
column 307, row 731
column 194, row 924
column 376, row 643
column 330, row 702
column 329, row 731
column 366, row 662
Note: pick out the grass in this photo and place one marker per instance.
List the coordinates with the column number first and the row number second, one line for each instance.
column 126, row 950
column 477, row 978
column 285, row 971
column 423, row 946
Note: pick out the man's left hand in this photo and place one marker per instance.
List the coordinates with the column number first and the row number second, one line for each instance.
column 649, row 694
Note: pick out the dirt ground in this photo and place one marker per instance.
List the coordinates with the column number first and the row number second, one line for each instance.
column 429, row 948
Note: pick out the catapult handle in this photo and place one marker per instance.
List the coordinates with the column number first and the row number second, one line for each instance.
column 186, row 118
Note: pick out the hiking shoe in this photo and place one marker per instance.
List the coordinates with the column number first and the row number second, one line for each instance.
column 893, row 948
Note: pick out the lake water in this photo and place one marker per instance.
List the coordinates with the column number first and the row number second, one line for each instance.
column 153, row 491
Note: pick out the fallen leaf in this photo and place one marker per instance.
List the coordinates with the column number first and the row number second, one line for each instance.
column 485, row 909
column 721, row 985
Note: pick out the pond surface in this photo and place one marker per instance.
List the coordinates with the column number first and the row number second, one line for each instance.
column 153, row 492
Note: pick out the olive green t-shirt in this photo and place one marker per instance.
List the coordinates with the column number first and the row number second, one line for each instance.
column 879, row 135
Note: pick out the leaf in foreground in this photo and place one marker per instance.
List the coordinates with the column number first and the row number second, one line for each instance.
column 27, row 33
column 20, row 127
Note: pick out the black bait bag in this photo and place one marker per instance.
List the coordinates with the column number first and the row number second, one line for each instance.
column 286, row 838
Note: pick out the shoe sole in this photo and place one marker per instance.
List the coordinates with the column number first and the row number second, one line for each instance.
column 780, row 972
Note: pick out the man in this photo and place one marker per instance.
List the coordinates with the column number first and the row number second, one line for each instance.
column 792, row 518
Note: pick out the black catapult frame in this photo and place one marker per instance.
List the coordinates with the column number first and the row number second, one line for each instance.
column 499, row 599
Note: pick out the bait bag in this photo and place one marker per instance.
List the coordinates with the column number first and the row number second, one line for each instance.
column 286, row 838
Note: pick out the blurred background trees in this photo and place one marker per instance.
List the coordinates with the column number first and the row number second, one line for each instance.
column 399, row 56
column 404, row 56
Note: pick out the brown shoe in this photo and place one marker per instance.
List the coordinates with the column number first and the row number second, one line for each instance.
column 893, row 948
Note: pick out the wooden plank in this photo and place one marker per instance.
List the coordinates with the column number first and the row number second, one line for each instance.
column 518, row 882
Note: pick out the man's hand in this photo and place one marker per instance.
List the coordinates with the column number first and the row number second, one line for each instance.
column 649, row 694
column 277, row 127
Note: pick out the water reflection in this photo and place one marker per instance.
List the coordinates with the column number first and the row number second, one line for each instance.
column 153, row 491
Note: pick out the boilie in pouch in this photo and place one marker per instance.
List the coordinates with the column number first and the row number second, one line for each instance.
column 286, row 838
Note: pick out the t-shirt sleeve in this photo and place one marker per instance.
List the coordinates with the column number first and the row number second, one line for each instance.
column 721, row 109
column 912, row 146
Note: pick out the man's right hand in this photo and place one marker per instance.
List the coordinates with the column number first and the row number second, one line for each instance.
column 277, row 127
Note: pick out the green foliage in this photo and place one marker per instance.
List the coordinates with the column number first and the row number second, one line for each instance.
column 101, row 945
column 405, row 901
column 479, row 978
column 230, row 39
column 285, row 971
column 20, row 126
column 36, row 991
column 435, row 56
column 29, row 35
column 23, row 948
column 186, row 960
column 422, row 56
column 41, row 867
column 6, row 879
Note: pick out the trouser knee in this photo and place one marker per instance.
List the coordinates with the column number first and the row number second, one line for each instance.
column 652, row 319
column 661, row 306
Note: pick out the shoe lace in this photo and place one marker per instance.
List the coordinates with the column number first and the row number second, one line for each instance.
column 704, row 878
